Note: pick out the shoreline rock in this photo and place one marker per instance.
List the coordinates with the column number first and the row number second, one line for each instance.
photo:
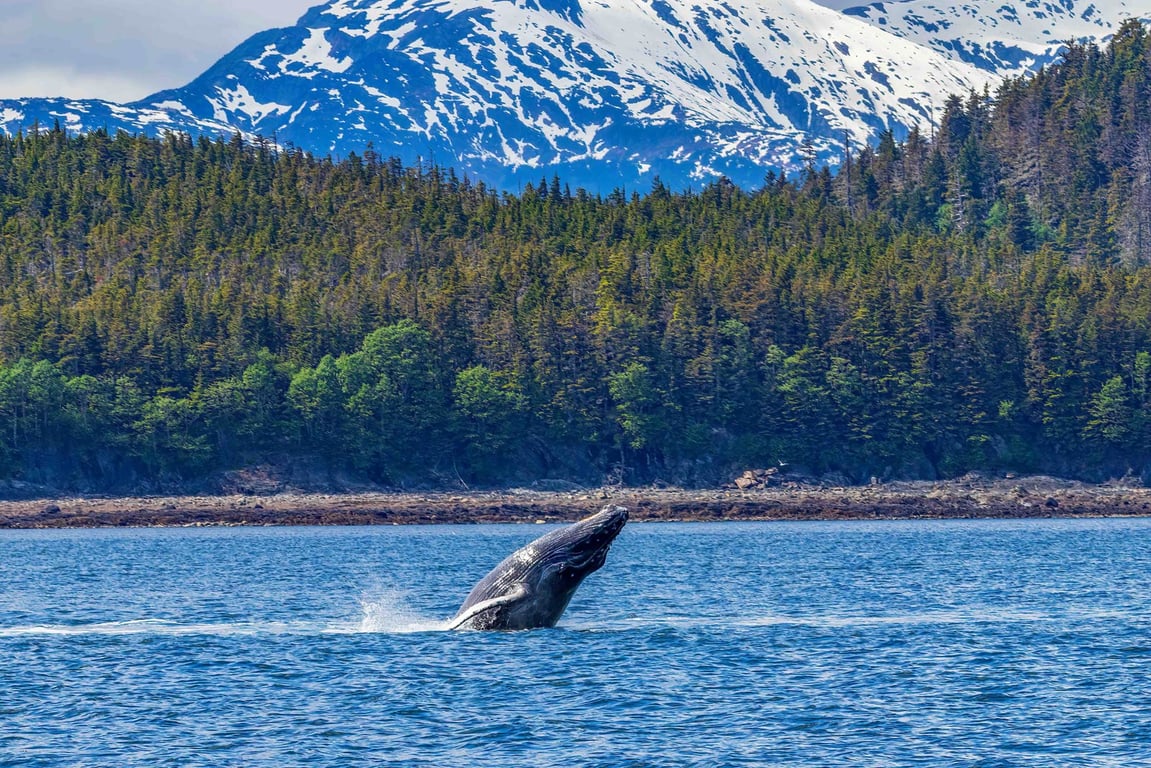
column 963, row 498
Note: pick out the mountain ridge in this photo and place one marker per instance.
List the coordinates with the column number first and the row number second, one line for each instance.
column 606, row 93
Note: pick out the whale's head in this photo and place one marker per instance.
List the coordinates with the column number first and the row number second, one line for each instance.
column 533, row 585
column 581, row 548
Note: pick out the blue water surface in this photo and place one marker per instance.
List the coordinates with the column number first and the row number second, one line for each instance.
column 1023, row 643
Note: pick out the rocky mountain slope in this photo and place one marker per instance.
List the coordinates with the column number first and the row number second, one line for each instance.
column 605, row 93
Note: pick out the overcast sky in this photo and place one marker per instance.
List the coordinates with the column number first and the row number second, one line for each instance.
column 122, row 50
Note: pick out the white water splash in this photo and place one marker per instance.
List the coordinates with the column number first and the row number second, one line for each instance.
column 387, row 612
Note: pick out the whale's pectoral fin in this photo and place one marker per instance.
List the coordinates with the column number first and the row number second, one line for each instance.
column 517, row 592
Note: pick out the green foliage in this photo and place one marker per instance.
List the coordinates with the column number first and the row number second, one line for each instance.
column 1110, row 414
column 489, row 419
column 638, row 405
column 171, row 307
column 170, row 437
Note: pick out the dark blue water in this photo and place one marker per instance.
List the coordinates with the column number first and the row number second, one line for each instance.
column 823, row 644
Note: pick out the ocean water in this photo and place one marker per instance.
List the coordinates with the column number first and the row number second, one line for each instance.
column 1022, row 643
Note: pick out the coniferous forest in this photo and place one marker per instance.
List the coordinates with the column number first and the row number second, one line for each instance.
column 976, row 296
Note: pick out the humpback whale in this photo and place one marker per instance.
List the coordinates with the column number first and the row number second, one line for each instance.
column 533, row 585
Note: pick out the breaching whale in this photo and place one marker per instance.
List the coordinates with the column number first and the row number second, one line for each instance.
column 533, row 585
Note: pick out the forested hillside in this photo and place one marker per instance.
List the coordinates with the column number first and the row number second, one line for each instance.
column 977, row 297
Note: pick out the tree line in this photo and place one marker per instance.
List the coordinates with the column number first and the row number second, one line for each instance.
column 973, row 298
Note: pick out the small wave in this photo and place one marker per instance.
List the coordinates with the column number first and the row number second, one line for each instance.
column 157, row 627
column 912, row 619
column 384, row 613
column 680, row 622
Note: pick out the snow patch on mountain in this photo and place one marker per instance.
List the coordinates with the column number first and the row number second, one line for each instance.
column 1008, row 38
column 604, row 92
column 313, row 56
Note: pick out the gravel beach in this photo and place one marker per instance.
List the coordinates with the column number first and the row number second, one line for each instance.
column 967, row 497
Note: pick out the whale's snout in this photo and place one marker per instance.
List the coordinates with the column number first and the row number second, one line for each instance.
column 587, row 542
column 602, row 527
column 614, row 518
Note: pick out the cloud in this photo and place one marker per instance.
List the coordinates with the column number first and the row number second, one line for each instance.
column 123, row 50
column 74, row 83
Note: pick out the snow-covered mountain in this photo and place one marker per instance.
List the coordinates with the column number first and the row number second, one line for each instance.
column 604, row 92
column 1007, row 38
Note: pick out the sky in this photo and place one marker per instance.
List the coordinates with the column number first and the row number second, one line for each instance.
column 123, row 50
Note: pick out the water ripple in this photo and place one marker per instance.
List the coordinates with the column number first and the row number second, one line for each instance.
column 740, row 645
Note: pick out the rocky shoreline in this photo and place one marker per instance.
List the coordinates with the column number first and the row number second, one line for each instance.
column 964, row 498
